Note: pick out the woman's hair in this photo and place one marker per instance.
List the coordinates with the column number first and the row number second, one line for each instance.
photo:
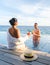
column 12, row 21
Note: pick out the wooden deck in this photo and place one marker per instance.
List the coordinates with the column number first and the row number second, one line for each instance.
column 10, row 57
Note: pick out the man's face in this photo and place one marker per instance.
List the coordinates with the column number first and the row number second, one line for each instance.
column 35, row 26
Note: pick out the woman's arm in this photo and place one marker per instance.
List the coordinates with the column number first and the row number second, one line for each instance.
column 18, row 33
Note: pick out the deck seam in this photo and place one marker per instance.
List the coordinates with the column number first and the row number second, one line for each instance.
column 41, row 62
column 6, row 62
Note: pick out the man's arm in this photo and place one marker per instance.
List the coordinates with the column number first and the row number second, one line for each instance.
column 37, row 34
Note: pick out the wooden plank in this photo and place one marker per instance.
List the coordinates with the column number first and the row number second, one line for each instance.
column 44, row 57
column 15, row 52
column 12, row 56
column 4, row 63
column 43, row 61
column 37, row 63
column 2, row 52
column 34, row 63
column 10, row 59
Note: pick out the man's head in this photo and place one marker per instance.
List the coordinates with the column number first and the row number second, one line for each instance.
column 35, row 25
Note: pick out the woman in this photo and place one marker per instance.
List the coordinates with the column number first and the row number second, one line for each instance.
column 15, row 41
column 36, row 35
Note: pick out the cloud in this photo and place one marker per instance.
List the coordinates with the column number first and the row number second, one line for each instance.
column 26, row 11
column 45, row 13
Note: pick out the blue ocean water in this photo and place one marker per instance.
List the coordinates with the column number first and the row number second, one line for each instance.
column 25, row 29
column 44, row 44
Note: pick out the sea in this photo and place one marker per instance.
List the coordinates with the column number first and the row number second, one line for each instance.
column 44, row 44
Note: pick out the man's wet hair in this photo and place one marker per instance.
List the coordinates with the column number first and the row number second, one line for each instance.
column 35, row 23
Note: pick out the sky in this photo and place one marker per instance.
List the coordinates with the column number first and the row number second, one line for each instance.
column 27, row 12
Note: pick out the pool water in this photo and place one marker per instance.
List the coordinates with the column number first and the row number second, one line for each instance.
column 44, row 44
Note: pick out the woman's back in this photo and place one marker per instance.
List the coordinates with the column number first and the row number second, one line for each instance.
column 14, row 32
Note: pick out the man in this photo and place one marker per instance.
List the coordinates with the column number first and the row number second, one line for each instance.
column 36, row 35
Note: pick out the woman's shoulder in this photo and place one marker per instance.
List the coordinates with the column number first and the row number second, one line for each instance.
column 17, row 30
column 9, row 29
